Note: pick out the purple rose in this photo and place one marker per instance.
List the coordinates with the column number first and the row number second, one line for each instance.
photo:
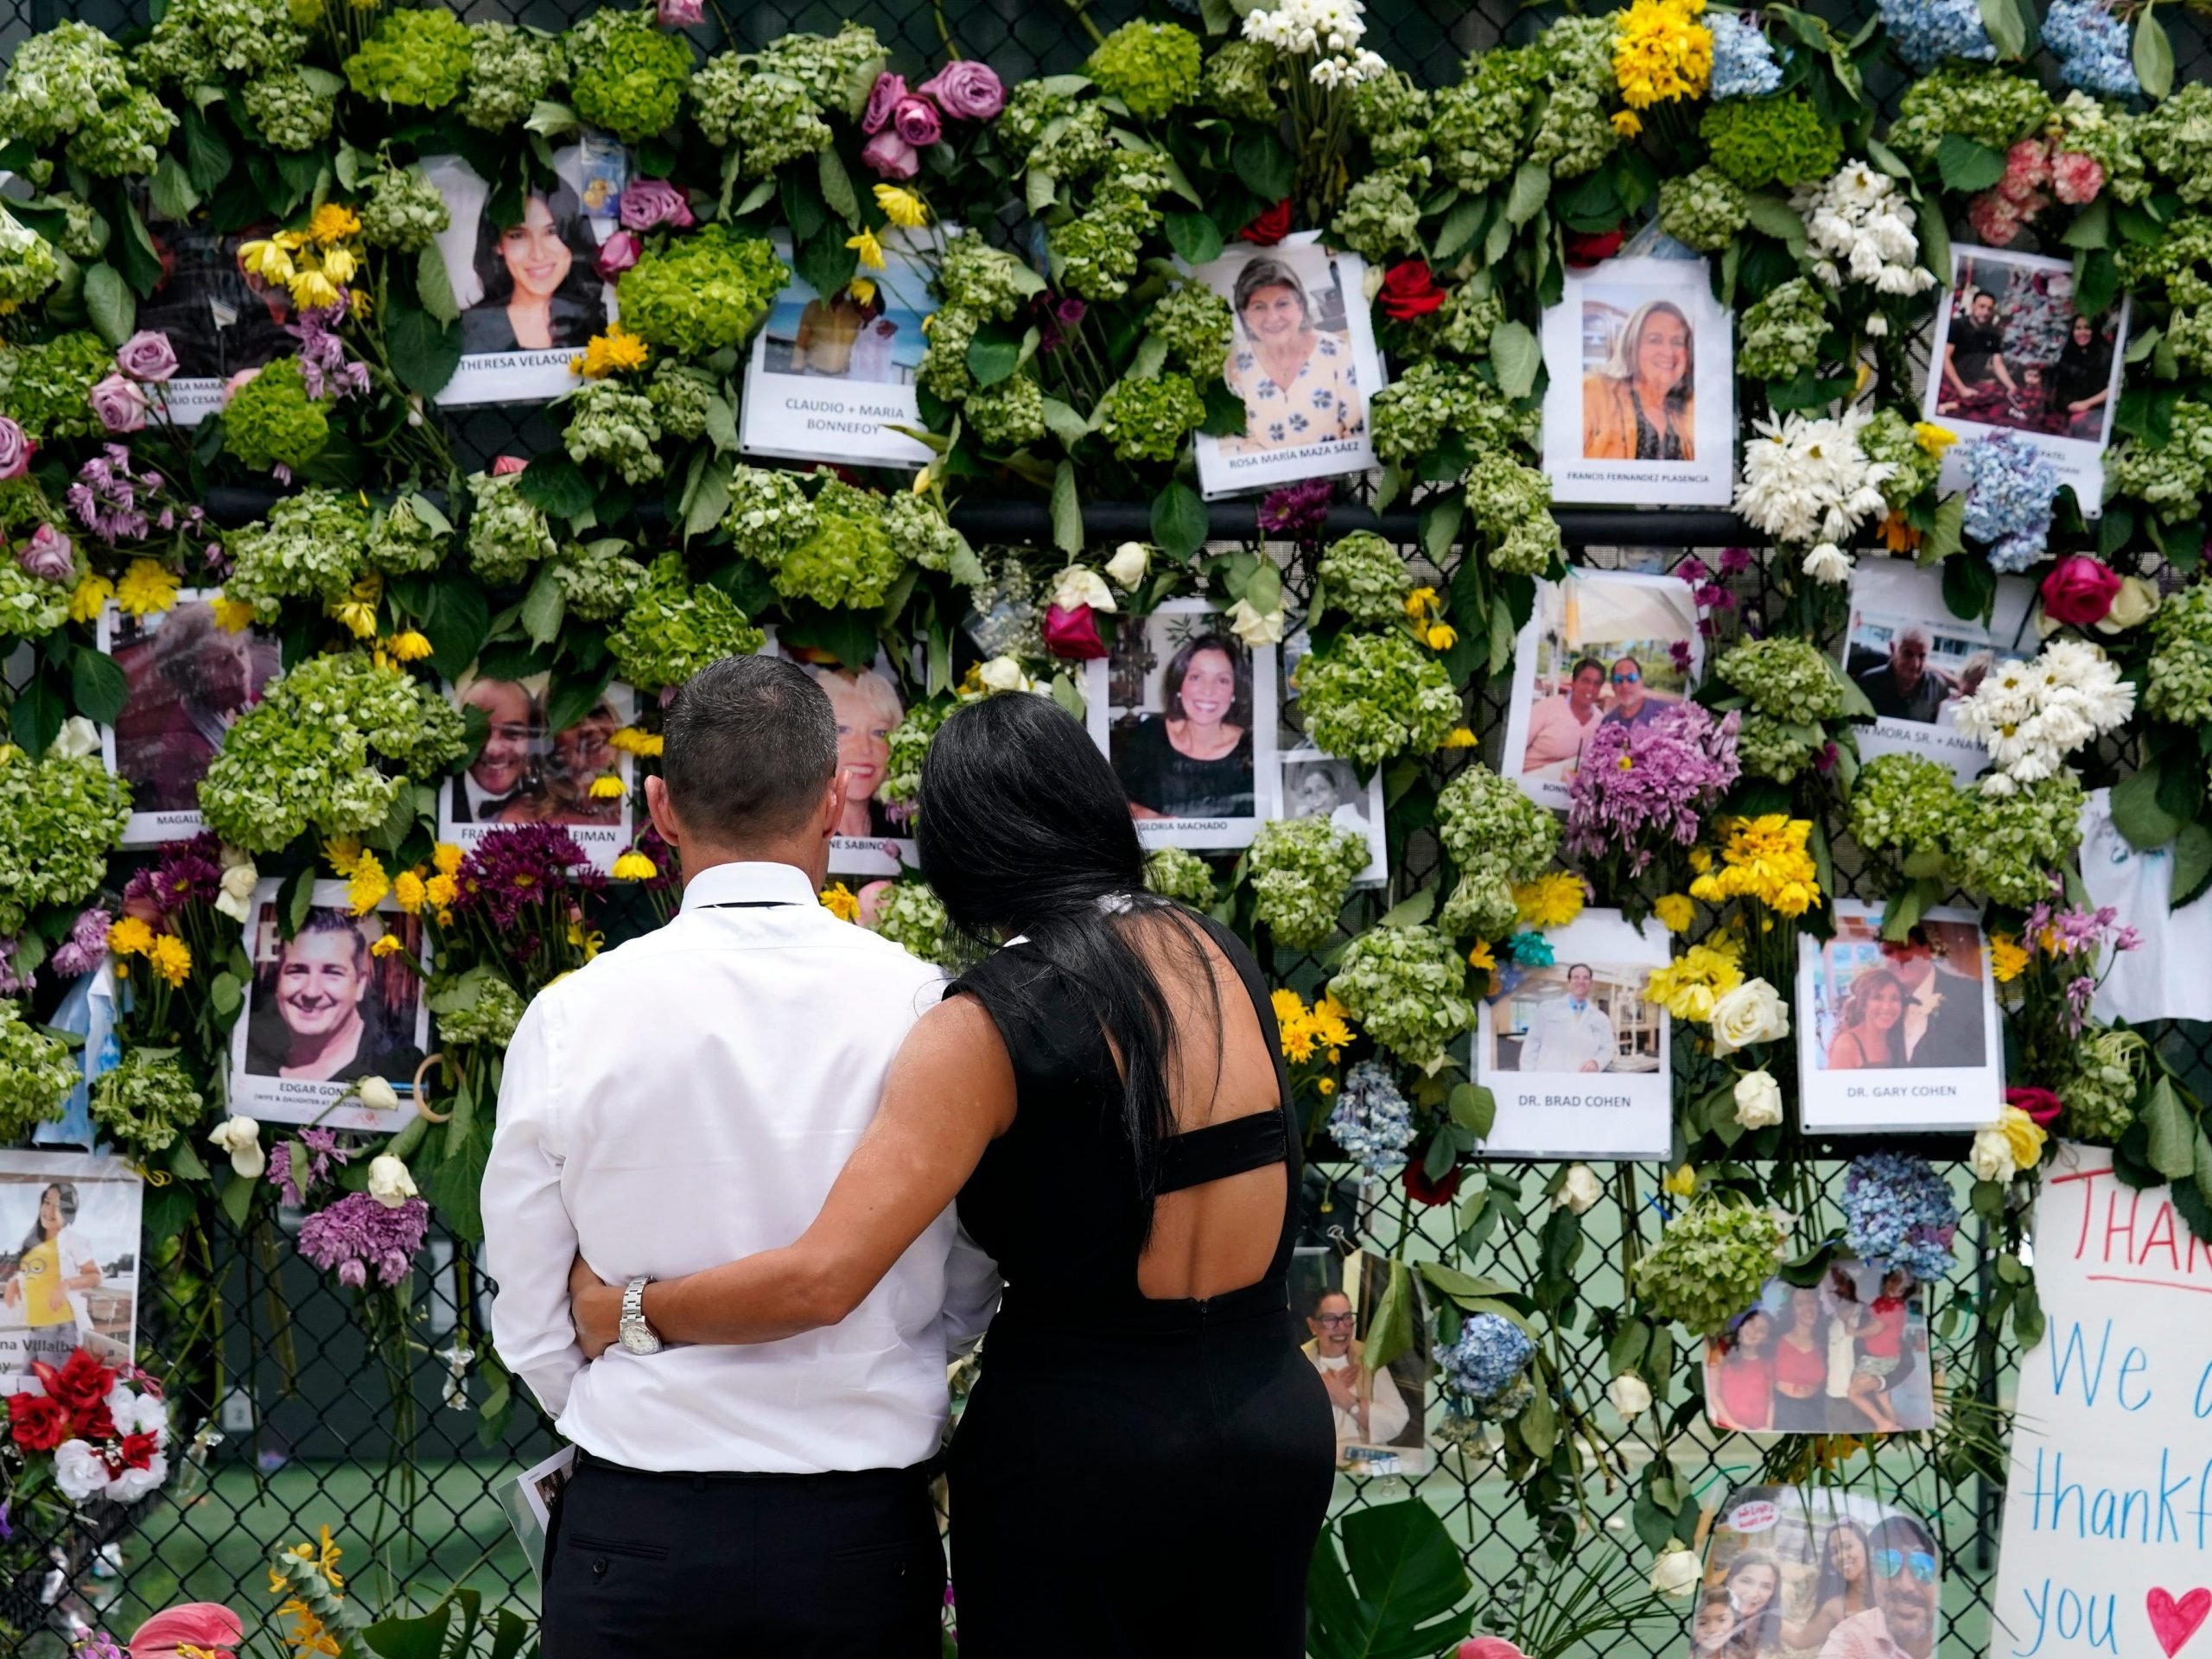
column 617, row 254
column 146, row 356
column 653, row 202
column 48, row 555
column 966, row 90
column 682, row 14
column 892, row 156
column 14, row 450
column 883, row 98
column 915, row 119
column 120, row 406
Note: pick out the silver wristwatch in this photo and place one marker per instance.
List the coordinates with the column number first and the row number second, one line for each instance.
column 638, row 1336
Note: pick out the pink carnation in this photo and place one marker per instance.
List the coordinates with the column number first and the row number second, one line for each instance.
column 2027, row 168
column 681, row 13
column 2076, row 178
column 617, row 254
column 653, row 202
column 1995, row 221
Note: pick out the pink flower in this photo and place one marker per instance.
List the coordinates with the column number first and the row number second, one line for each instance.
column 1489, row 1647
column 48, row 555
column 966, row 90
column 14, row 450
column 882, row 99
column 617, row 253
column 2079, row 590
column 120, row 406
column 1073, row 633
column 503, row 465
column 2027, row 168
column 2076, row 178
column 147, row 355
column 650, row 203
column 916, row 118
column 682, row 14
column 1995, row 221
column 892, row 156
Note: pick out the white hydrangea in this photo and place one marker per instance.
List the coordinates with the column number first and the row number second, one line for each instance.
column 1860, row 228
column 1809, row 481
column 2031, row 716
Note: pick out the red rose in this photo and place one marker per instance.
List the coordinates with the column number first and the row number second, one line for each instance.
column 37, row 1423
column 2038, row 1104
column 96, row 1423
column 1073, row 633
column 1408, row 291
column 1585, row 249
column 1421, row 1190
column 138, row 1451
column 81, row 1385
column 1269, row 227
column 2079, row 590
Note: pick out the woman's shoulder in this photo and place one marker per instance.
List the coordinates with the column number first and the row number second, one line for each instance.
column 485, row 328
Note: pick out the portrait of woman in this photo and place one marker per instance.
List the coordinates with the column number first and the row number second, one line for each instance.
column 1324, row 788
column 868, row 710
column 1298, row 384
column 1868, row 1035
column 1844, row 1588
column 1741, row 1365
column 54, row 1269
column 1754, row 1590
column 190, row 679
column 1800, row 1365
column 542, row 289
column 1640, row 404
column 1194, row 759
column 315, row 1018
column 2081, row 381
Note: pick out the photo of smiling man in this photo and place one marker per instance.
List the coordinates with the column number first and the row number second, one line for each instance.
column 491, row 781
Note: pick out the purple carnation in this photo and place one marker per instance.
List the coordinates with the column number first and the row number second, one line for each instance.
column 357, row 1233
column 1297, row 509
column 321, row 1149
column 521, row 865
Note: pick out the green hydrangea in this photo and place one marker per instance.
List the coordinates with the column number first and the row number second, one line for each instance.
column 1992, row 106
column 943, row 372
column 2098, row 1090
column 30, row 607
column 1574, row 133
column 920, row 533
column 1785, row 677
column 1239, row 81
column 1476, row 127
column 1762, row 141
column 1392, row 114
column 1195, row 325
column 1183, row 876
column 2180, row 683
column 403, row 211
column 1782, row 332
column 1095, row 253
column 312, row 545
column 1406, row 988
column 680, row 398
column 769, row 514
column 1710, row 1264
column 1905, row 804
column 222, row 40
column 404, row 541
column 1467, row 321
column 847, row 560
column 58, row 81
column 1302, row 871
column 764, row 120
column 124, row 137
column 2174, row 138
column 909, row 744
column 486, row 1019
column 1007, row 416
column 506, row 533
column 1480, row 906
column 1372, row 697
column 414, row 58
column 59, row 818
column 615, row 426
column 1047, row 130
column 979, row 278
column 1147, row 420
column 1365, row 578
column 312, row 754
column 912, row 917
column 83, row 231
column 2169, row 478
column 146, row 1100
column 1780, row 749
column 705, row 291
column 1380, row 219
column 1703, row 209
column 674, row 629
column 835, row 70
column 2009, row 845
column 1495, row 833
column 599, row 580
column 1412, row 415
column 510, row 70
column 1890, row 437
column 291, row 114
column 626, row 75
column 27, row 267
column 46, row 387
column 38, row 1073
column 272, row 422
column 1150, row 67
column 1511, row 503
column 2083, row 125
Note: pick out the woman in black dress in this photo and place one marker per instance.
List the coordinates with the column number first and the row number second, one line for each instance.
column 1147, row 1462
column 1194, row 761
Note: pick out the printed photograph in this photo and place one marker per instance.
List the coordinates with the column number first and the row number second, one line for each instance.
column 872, row 838
column 222, row 321
column 189, row 679
column 1817, row 1572
column 1302, row 359
column 1317, row 785
column 1381, row 1419
column 1917, row 661
column 526, row 773
column 1849, row 1355
column 69, row 1248
column 326, row 1008
column 1639, row 377
column 1577, row 1017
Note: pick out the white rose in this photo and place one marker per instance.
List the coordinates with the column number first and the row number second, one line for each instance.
column 2131, row 607
column 1675, row 1573
column 241, row 1138
column 1630, row 1395
column 1828, row 562
column 1002, row 674
column 1254, row 628
column 1759, row 1100
column 78, row 1470
column 237, row 897
column 1130, row 560
column 376, row 1093
column 78, row 738
column 1579, row 1191
column 1080, row 585
column 390, row 1184
column 1991, row 1158
column 1752, row 1012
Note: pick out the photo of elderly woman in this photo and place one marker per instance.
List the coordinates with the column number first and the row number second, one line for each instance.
column 68, row 1259
column 1639, row 388
column 868, row 710
column 523, row 773
column 1317, row 785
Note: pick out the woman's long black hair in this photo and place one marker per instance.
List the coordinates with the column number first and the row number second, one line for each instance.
column 580, row 290
column 1024, row 831
column 1832, row 1582
column 65, row 1193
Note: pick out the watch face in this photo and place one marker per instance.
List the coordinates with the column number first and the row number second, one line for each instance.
column 640, row 1342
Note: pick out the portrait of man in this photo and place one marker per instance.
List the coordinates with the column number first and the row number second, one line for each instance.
column 1976, row 379
column 1633, row 703
column 1559, row 727
column 495, row 777
column 190, row 679
column 1940, row 1025
column 1907, row 1583
column 1369, row 1409
column 1903, row 686
column 1570, row 1033
column 317, row 1014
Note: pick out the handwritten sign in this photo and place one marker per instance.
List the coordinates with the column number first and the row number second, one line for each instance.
column 2109, row 1517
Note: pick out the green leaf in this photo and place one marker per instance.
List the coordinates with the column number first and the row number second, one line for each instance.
column 433, row 286
column 2192, row 866
column 1179, row 520
column 1539, row 1424
column 1532, row 186
column 992, row 357
column 549, row 120
column 1474, row 1108
column 238, row 1197
column 1390, row 1326
column 36, row 718
column 1779, row 219
column 1069, row 696
column 1412, row 912
column 1517, row 356
column 2002, row 20
column 837, row 186
column 574, row 695
column 171, row 191
column 1265, row 164
column 2172, row 1145
column 2153, row 54
column 2138, row 814
column 1037, row 188
column 708, row 504
column 424, row 351
column 420, row 1638
column 556, row 486
column 1947, row 534
column 97, row 684
column 1226, row 416
column 459, row 620
column 1067, row 511
column 2092, row 226
column 225, row 992
column 1410, row 1580
column 1070, row 427
column 1970, row 587
column 1195, row 238
column 108, row 303
column 1965, row 164
column 544, row 606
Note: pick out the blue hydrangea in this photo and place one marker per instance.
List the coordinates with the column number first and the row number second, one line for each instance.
column 1898, row 1215
column 1373, row 1123
column 2092, row 47
column 1743, row 59
column 2010, row 487
column 1926, row 32
column 1488, row 1358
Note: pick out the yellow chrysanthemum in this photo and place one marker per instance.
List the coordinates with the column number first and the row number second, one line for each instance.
column 1933, row 439
column 1327, row 1085
column 1441, row 636
column 1626, row 123
column 130, row 936
column 586, row 940
column 269, row 259
column 1287, row 1004
column 340, row 852
column 367, row 885
column 1674, row 912
column 1483, row 958
column 634, row 866
column 1662, row 53
column 1461, row 737
column 146, row 588
column 608, row 786
column 616, row 351
column 339, row 264
column 172, row 959
column 1332, row 1023
column 332, row 225
column 1299, row 1042
column 902, row 207
column 1422, row 603
column 839, row 901
column 410, row 646
column 870, row 249
column 1689, row 987
column 409, row 891
column 441, row 890
column 232, row 615
column 630, row 740
column 2008, row 959
column 312, row 290
column 445, row 858
column 387, row 945
column 357, row 619
column 1766, row 858
column 1552, row 899
column 88, row 596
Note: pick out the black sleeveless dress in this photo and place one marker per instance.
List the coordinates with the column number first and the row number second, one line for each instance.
column 1133, row 1479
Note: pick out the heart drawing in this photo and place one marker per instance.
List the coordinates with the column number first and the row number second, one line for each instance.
column 2174, row 1621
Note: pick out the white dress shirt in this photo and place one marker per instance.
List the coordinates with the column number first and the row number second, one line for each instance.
column 1566, row 1036
column 689, row 1099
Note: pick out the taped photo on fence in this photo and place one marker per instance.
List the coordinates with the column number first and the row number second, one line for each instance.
column 1186, row 712
column 223, row 322
column 1642, row 406
column 1317, row 785
column 827, row 377
column 1302, row 361
column 1600, row 647
column 1575, row 1054
column 524, row 271
column 2013, row 354
column 1917, row 661
column 527, row 773
column 1848, row 1356
column 69, row 1247
column 874, row 837
column 1381, row 1417
column 326, row 1008
column 187, row 679
column 1897, row 1036
column 1816, row 1573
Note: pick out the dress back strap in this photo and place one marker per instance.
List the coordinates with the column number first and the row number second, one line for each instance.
column 1220, row 1150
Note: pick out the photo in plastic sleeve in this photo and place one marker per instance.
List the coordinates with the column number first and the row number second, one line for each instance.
column 874, row 838
column 2011, row 354
column 1917, row 662
column 1575, row 1054
column 222, row 321
column 1897, row 1036
column 187, row 679
column 69, row 1248
column 827, row 379
column 526, row 773
column 1186, row 713
column 1317, row 785
column 1600, row 647
column 530, row 291
column 1302, row 358
column 1816, row 1573
column 1848, row 1356
column 325, row 1010
column 1380, row 1418
column 1630, row 345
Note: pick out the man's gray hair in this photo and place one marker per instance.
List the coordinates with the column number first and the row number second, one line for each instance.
column 751, row 743
column 1911, row 632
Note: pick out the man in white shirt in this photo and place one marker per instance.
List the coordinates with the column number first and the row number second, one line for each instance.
column 683, row 1100
column 1570, row 1032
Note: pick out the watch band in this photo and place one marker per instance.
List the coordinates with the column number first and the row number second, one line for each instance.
column 634, row 1324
